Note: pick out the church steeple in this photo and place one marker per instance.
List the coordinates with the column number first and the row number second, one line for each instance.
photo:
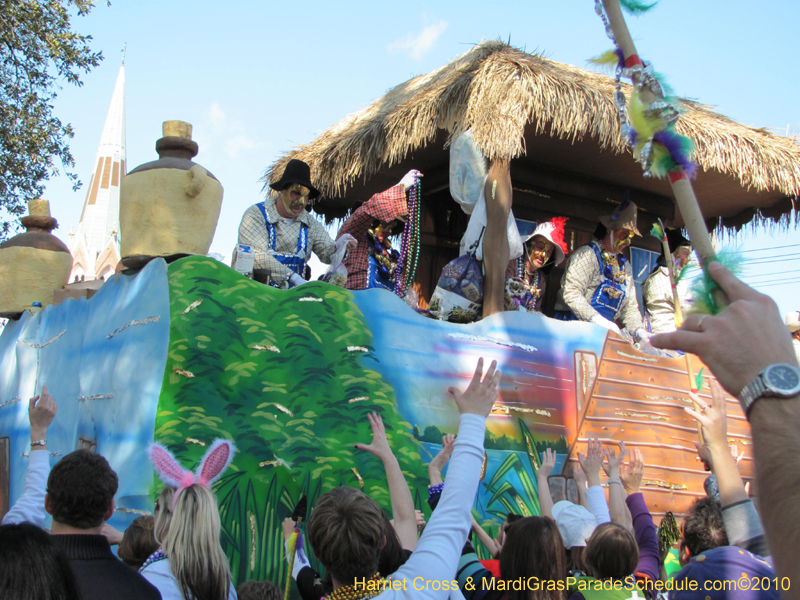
column 99, row 223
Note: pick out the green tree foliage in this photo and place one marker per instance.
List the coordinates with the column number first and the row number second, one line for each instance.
column 38, row 50
column 286, row 375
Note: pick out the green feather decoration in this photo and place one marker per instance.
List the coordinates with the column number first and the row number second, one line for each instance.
column 657, row 231
column 698, row 380
column 606, row 61
column 702, row 290
column 632, row 7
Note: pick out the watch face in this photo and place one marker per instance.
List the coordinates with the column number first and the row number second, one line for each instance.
column 782, row 379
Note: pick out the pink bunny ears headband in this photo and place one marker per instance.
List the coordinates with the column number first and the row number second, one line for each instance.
column 216, row 460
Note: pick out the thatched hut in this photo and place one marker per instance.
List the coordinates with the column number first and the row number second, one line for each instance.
column 559, row 126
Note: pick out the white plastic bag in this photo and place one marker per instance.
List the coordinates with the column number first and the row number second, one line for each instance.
column 467, row 180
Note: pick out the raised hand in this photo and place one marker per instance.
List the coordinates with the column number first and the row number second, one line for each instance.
column 481, row 392
column 380, row 445
column 41, row 412
column 631, row 474
column 288, row 528
column 611, row 466
column 713, row 418
column 440, row 460
column 548, row 464
column 593, row 461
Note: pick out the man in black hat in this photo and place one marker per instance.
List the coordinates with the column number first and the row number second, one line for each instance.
column 659, row 301
column 282, row 234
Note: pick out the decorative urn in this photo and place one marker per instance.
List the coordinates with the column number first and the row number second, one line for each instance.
column 169, row 207
column 33, row 264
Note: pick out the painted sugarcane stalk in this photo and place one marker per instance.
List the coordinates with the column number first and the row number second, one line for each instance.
column 681, row 187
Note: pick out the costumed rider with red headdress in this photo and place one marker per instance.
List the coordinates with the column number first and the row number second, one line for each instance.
column 659, row 301
column 526, row 278
column 373, row 263
column 282, row 234
column 597, row 285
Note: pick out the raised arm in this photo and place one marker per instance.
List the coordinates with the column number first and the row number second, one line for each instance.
column 542, row 473
column 580, row 483
column 742, row 523
column 591, row 464
column 616, row 495
column 30, row 505
column 403, row 514
column 643, row 527
column 737, row 344
column 439, row 549
column 485, row 538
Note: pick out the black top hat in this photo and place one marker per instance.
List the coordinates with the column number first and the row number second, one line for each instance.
column 676, row 239
column 296, row 171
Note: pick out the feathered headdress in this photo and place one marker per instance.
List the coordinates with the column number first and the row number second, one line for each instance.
column 216, row 460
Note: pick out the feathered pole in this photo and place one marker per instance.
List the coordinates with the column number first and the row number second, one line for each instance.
column 660, row 149
column 660, row 233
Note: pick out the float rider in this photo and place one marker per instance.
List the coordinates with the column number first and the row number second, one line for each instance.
column 526, row 277
column 597, row 285
column 659, row 301
column 281, row 232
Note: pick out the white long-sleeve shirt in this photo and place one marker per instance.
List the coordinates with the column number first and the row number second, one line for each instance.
column 434, row 562
column 30, row 505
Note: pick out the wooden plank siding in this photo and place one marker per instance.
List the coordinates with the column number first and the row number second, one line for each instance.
column 639, row 399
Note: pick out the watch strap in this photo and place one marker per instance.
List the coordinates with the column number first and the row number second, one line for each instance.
column 41, row 442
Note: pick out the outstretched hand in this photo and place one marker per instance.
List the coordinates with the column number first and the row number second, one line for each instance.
column 713, row 418
column 741, row 341
column 631, row 474
column 41, row 411
column 548, row 464
column 380, row 445
column 481, row 392
column 592, row 462
column 613, row 461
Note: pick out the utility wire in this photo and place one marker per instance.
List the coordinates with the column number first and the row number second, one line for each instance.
column 765, row 249
column 793, row 271
column 776, row 282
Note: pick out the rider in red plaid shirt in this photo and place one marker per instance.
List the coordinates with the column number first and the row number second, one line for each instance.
column 384, row 207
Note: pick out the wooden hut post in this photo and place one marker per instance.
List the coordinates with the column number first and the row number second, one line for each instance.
column 499, row 197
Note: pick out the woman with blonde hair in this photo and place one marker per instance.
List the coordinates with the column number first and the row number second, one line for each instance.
column 190, row 564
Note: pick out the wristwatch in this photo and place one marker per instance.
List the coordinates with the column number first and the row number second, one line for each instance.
column 779, row 381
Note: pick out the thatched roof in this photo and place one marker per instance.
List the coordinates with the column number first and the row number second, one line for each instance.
column 549, row 116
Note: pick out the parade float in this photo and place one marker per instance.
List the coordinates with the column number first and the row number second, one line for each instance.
column 183, row 349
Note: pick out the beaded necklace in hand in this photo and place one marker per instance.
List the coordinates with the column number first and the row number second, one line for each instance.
column 369, row 589
column 409, row 248
column 614, row 266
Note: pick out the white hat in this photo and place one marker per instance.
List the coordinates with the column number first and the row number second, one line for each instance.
column 575, row 523
column 553, row 231
column 793, row 321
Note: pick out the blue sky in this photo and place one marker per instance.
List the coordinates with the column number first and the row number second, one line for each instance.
column 257, row 78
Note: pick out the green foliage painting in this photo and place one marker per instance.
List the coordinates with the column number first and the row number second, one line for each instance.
column 245, row 363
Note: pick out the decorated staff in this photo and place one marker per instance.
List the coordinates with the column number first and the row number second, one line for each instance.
column 680, row 242
column 661, row 150
column 298, row 516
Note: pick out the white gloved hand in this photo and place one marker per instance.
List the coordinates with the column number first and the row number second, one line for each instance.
column 348, row 239
column 296, row 280
column 410, row 179
column 642, row 335
column 603, row 322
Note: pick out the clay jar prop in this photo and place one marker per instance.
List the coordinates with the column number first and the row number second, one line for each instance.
column 33, row 264
column 168, row 207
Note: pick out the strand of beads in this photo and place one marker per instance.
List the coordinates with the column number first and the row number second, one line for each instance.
column 410, row 246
